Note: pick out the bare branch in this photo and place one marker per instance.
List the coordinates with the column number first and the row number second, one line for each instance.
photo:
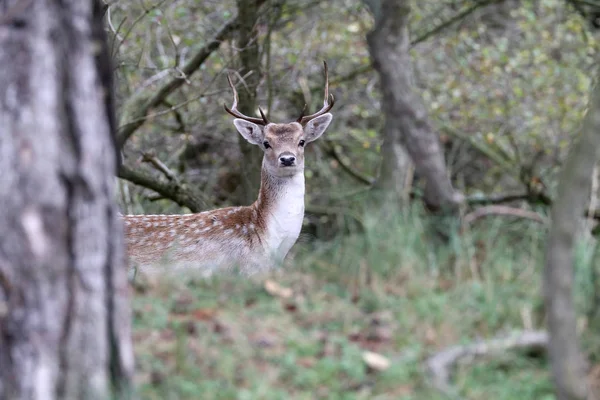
column 133, row 24
column 446, row 24
column 440, row 364
column 137, row 108
column 331, row 150
column 497, row 198
column 505, row 211
column 174, row 190
column 151, row 159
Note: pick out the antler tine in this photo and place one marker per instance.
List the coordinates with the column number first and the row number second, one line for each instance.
column 264, row 117
column 302, row 114
column 328, row 101
column 234, row 111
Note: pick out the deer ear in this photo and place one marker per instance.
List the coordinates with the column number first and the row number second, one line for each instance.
column 249, row 130
column 315, row 127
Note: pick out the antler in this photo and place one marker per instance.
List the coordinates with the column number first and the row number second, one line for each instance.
column 234, row 111
column 328, row 102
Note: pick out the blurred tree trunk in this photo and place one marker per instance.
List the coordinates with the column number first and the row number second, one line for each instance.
column 568, row 363
column 247, row 44
column 64, row 314
column 406, row 121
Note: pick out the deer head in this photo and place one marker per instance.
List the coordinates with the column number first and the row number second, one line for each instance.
column 283, row 144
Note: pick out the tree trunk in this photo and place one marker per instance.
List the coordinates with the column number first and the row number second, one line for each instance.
column 405, row 114
column 64, row 316
column 568, row 364
column 247, row 43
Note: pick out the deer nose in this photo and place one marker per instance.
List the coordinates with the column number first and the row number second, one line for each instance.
column 287, row 160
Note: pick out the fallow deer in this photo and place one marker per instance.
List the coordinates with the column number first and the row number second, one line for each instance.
column 248, row 239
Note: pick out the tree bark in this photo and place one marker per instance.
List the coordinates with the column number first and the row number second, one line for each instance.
column 568, row 363
column 64, row 314
column 247, row 44
column 406, row 120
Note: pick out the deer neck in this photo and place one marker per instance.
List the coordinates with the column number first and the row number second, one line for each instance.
column 280, row 207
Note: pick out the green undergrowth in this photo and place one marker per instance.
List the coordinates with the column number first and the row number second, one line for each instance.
column 302, row 332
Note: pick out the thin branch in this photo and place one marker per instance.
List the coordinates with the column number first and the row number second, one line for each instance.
column 114, row 30
column 487, row 151
column 363, row 69
column 331, row 150
column 497, row 198
column 451, row 21
column 440, row 364
column 504, row 211
column 324, row 210
column 133, row 24
column 137, row 108
column 171, row 108
column 151, row 159
column 180, row 193
column 586, row 2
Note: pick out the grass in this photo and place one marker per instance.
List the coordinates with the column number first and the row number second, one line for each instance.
column 386, row 290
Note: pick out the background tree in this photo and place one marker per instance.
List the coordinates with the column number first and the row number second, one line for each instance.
column 568, row 363
column 405, row 115
column 248, row 44
column 64, row 313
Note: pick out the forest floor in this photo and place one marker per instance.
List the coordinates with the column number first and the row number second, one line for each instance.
column 353, row 319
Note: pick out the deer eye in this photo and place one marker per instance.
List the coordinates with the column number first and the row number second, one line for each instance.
column 266, row 144
column 301, row 144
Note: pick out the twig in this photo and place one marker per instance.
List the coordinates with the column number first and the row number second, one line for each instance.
column 324, row 210
column 593, row 197
column 169, row 109
column 496, row 199
column 363, row 69
column 114, row 30
column 503, row 210
column 160, row 166
column 330, row 149
column 586, row 2
column 133, row 24
column 440, row 364
column 451, row 21
column 483, row 149
column 139, row 107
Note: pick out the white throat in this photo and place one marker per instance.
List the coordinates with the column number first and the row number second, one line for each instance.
column 285, row 215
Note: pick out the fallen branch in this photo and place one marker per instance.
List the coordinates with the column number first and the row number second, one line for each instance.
column 505, row 211
column 174, row 190
column 439, row 365
column 496, row 198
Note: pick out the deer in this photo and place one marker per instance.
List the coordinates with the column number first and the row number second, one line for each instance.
column 247, row 239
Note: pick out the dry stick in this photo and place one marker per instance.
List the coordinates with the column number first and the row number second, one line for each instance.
column 503, row 210
column 440, row 364
column 497, row 198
